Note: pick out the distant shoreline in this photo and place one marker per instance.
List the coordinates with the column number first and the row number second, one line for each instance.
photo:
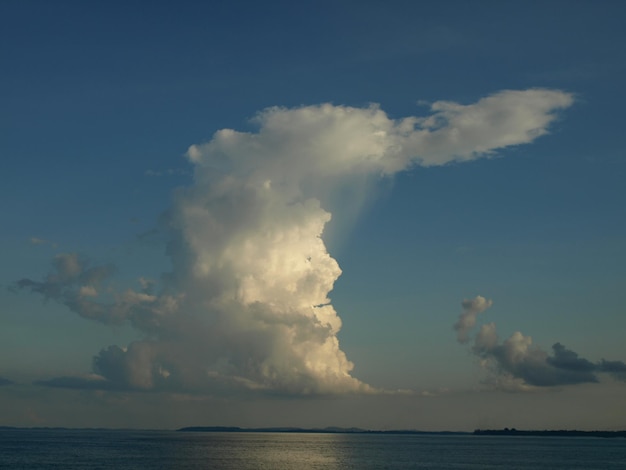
column 477, row 432
column 337, row 430
column 547, row 433
column 328, row 430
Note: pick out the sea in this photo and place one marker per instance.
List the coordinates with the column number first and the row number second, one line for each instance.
column 131, row 449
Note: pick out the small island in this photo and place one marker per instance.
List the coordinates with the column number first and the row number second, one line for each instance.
column 547, row 433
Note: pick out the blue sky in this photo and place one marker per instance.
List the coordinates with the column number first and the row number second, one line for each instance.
column 101, row 104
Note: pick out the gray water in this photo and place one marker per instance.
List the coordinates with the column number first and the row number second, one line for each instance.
column 104, row 449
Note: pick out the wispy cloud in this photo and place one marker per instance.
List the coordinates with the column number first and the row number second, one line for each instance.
column 41, row 241
column 247, row 305
column 74, row 283
column 167, row 172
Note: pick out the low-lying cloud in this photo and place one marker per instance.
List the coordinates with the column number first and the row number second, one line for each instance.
column 246, row 304
column 517, row 364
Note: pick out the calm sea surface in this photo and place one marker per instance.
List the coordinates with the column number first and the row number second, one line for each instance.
column 98, row 449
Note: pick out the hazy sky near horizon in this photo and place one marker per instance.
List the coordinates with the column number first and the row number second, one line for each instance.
column 386, row 215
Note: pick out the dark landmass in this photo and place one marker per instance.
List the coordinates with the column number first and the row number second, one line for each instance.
column 546, row 433
column 477, row 432
column 63, row 428
column 338, row 430
column 329, row 430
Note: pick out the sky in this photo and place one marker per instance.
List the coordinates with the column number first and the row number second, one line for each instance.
column 389, row 215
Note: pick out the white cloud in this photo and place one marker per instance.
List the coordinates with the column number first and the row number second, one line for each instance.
column 466, row 132
column 247, row 302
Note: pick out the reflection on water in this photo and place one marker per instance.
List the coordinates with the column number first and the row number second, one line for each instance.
column 74, row 450
column 264, row 450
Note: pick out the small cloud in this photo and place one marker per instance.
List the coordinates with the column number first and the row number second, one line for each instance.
column 88, row 291
column 167, row 172
column 516, row 364
column 73, row 282
column 467, row 319
column 41, row 241
column 4, row 381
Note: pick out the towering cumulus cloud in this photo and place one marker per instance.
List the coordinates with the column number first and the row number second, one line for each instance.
column 246, row 304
